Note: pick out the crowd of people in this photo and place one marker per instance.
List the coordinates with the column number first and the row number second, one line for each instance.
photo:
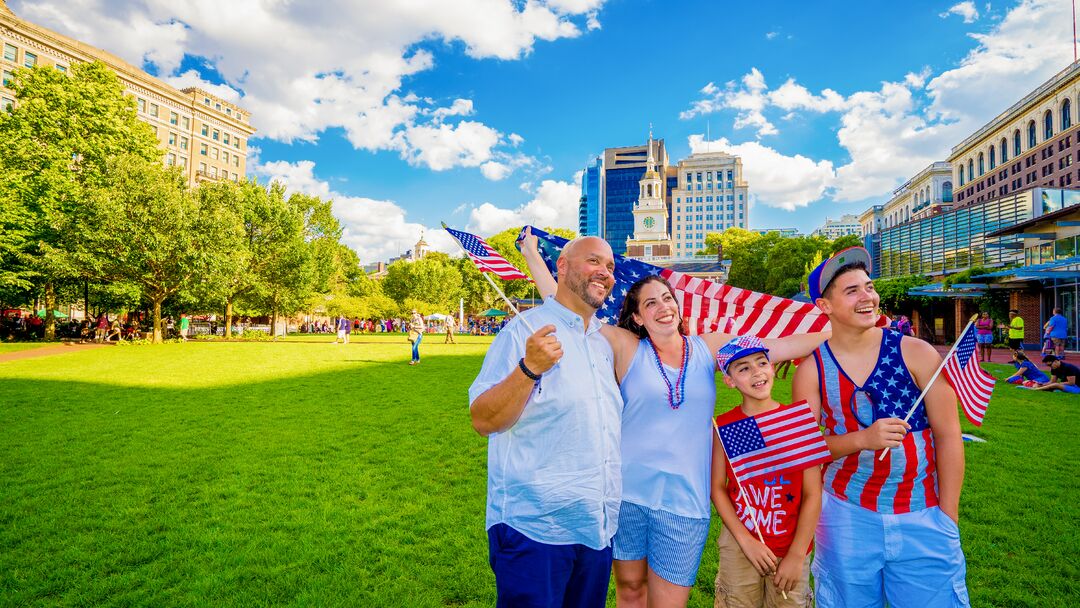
column 602, row 457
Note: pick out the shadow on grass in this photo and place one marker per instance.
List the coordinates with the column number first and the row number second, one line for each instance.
column 363, row 487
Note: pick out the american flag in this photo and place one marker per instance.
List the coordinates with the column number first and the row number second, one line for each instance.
column 785, row 439
column 484, row 256
column 707, row 306
column 972, row 385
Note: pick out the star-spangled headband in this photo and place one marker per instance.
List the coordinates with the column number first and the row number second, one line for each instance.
column 737, row 348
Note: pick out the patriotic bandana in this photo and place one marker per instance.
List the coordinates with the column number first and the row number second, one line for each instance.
column 737, row 348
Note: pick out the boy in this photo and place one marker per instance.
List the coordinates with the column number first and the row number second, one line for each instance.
column 1066, row 376
column 888, row 527
column 785, row 504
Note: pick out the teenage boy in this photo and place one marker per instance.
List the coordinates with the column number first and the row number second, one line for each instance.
column 1066, row 376
column 888, row 528
column 786, row 504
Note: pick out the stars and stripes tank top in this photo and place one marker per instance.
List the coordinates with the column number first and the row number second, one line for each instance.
column 906, row 480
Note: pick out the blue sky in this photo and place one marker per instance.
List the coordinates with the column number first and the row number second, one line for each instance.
column 482, row 112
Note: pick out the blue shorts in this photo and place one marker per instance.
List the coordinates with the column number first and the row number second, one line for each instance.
column 672, row 544
column 531, row 574
column 984, row 338
column 865, row 558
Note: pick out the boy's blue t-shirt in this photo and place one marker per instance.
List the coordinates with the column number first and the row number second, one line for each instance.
column 1031, row 372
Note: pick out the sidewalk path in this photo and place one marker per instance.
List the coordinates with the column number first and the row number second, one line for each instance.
column 1004, row 355
column 48, row 351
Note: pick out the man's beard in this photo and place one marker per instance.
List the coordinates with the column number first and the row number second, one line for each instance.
column 579, row 284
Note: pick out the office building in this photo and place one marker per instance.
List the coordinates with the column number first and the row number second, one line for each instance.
column 710, row 195
column 1031, row 144
column 201, row 133
column 834, row 229
column 589, row 209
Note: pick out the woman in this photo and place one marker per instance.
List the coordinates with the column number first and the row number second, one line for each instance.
column 416, row 334
column 984, row 335
column 668, row 383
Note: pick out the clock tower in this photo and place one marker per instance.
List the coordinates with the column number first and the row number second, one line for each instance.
column 652, row 237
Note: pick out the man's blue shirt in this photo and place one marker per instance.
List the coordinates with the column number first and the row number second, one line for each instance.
column 556, row 475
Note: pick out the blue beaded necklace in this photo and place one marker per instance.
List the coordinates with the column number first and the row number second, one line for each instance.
column 677, row 393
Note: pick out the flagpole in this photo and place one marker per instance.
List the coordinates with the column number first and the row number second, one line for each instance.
column 932, row 379
column 742, row 492
column 499, row 291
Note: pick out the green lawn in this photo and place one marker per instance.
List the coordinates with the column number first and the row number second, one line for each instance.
column 306, row 473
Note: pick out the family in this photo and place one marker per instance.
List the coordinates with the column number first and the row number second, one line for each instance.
column 602, row 457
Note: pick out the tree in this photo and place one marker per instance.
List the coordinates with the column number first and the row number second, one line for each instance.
column 149, row 229
column 56, row 145
column 435, row 279
column 478, row 293
column 285, row 283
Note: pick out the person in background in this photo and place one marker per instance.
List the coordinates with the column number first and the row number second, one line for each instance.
column 451, row 323
column 185, row 324
column 102, row 328
column 1026, row 373
column 1066, row 376
column 984, row 336
column 342, row 329
column 1057, row 328
column 1016, row 330
column 416, row 334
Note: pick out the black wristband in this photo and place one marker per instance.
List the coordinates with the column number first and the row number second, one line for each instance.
column 528, row 372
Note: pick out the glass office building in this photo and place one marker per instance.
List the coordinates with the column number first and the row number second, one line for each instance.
column 956, row 240
column 620, row 193
column 589, row 208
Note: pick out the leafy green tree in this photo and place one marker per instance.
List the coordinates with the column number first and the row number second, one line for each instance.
column 435, row 279
column 285, row 284
column 56, row 145
column 478, row 293
column 147, row 228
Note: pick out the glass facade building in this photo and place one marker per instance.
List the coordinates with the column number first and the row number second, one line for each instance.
column 620, row 193
column 589, row 208
column 956, row 240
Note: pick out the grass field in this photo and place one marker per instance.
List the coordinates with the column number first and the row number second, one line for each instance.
column 306, row 473
column 18, row 346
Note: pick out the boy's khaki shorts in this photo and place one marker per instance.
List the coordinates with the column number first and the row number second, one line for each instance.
column 738, row 585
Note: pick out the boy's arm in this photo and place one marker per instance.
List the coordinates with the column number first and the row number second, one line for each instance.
column 789, row 573
column 944, row 419
column 886, row 432
column 763, row 560
column 795, row 346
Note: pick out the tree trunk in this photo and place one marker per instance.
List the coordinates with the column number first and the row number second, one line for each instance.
column 273, row 323
column 228, row 318
column 86, row 299
column 50, row 304
column 157, row 321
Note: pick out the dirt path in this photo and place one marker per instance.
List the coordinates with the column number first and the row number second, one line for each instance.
column 48, row 351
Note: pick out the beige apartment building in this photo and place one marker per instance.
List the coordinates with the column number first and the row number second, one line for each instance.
column 711, row 196
column 203, row 134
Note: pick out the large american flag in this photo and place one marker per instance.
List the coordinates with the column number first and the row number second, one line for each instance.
column 707, row 306
column 972, row 385
column 484, row 256
column 785, row 439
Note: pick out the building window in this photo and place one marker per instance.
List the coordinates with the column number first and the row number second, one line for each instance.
column 214, row 153
column 7, row 78
column 236, row 160
column 29, row 59
column 183, row 162
column 202, row 168
column 170, row 160
column 217, row 106
column 971, row 169
column 206, row 101
column 183, row 143
column 6, row 103
column 236, row 143
column 1004, row 150
column 225, row 139
column 961, row 175
column 142, row 105
column 185, row 122
column 217, row 134
column 205, row 130
column 10, row 52
column 172, row 138
column 1048, row 125
column 61, row 68
column 154, row 110
column 1031, row 134
column 203, row 149
column 1066, row 114
column 981, row 168
column 993, row 158
column 174, row 118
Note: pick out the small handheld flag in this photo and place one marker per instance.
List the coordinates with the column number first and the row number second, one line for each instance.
column 484, row 256
column 973, row 385
column 787, row 438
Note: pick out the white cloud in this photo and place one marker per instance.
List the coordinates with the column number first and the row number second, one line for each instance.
column 302, row 71
column 891, row 133
column 441, row 147
column 965, row 9
column 555, row 205
column 775, row 180
column 771, row 35
column 377, row 230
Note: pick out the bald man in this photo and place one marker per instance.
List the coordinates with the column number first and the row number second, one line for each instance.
column 550, row 406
